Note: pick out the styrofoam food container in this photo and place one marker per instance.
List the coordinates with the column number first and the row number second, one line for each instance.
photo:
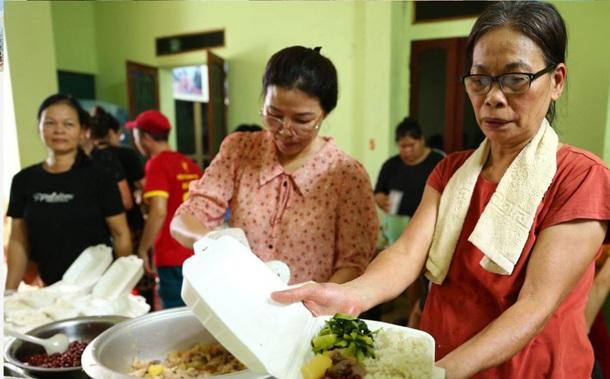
column 121, row 278
column 37, row 298
column 78, row 279
column 88, row 267
column 228, row 289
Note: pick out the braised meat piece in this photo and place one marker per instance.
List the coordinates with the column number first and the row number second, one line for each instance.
column 344, row 368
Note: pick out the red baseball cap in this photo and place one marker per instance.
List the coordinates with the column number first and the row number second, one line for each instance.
column 151, row 121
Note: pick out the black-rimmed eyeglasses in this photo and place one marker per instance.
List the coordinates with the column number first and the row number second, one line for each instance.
column 511, row 83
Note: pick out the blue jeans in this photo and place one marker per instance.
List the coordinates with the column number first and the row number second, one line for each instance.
column 169, row 287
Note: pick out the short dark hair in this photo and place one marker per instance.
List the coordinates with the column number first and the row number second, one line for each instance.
column 408, row 127
column 540, row 22
column 60, row 98
column 159, row 137
column 306, row 70
column 102, row 122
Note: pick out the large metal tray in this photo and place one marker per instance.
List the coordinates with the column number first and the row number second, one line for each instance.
column 148, row 337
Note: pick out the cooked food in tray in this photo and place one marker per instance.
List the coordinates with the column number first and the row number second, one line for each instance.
column 199, row 361
column 346, row 348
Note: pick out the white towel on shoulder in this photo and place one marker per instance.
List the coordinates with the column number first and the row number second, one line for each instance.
column 503, row 228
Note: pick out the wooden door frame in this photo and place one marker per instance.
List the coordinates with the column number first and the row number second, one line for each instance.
column 134, row 66
column 460, row 95
column 215, row 59
column 454, row 94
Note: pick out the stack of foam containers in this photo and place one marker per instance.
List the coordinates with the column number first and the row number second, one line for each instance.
column 92, row 285
column 111, row 295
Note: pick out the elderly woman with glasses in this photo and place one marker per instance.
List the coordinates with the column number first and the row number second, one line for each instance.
column 298, row 198
column 507, row 233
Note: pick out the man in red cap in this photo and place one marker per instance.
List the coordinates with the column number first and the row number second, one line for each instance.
column 167, row 177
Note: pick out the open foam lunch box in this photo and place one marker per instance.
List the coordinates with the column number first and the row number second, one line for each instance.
column 228, row 289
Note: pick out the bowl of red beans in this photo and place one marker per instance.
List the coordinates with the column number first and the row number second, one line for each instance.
column 67, row 365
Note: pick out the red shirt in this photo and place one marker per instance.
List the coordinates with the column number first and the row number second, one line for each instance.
column 470, row 297
column 168, row 174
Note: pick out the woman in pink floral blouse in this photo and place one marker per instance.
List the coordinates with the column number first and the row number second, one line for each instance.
column 298, row 198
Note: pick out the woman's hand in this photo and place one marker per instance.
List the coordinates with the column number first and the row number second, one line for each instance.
column 149, row 268
column 383, row 201
column 17, row 253
column 386, row 277
column 322, row 299
column 187, row 230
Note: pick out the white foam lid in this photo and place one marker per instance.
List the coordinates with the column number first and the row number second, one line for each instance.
column 88, row 267
column 228, row 281
column 121, row 278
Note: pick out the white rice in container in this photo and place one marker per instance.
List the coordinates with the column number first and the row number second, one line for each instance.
column 399, row 356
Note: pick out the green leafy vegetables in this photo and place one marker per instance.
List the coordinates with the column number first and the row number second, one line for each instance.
column 346, row 333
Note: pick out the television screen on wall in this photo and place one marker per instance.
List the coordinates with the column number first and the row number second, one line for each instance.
column 190, row 83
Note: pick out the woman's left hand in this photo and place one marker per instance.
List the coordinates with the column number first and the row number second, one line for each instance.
column 322, row 299
column 383, row 201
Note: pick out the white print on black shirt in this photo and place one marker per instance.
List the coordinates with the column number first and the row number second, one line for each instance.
column 54, row 197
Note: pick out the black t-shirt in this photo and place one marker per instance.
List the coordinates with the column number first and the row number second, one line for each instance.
column 131, row 162
column 107, row 160
column 411, row 180
column 134, row 171
column 64, row 213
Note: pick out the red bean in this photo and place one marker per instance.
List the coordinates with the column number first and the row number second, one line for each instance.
column 69, row 358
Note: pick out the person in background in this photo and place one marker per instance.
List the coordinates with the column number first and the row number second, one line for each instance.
column 509, row 232
column 405, row 175
column 298, row 198
column 407, row 171
column 104, row 133
column 95, row 129
column 167, row 177
column 63, row 205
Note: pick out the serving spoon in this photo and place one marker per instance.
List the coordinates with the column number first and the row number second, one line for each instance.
column 56, row 344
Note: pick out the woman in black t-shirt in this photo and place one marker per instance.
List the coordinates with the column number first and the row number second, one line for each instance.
column 64, row 204
column 407, row 171
column 104, row 133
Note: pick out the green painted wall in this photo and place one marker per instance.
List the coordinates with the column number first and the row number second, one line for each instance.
column 607, row 130
column 74, row 30
column 355, row 36
column 583, row 110
column 31, row 50
column 368, row 41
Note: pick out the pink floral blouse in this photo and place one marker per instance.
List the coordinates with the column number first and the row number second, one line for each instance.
column 317, row 220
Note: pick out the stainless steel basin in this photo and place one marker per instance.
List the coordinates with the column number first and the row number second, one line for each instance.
column 11, row 371
column 80, row 328
column 147, row 337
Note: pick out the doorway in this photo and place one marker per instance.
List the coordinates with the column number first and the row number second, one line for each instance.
column 200, row 103
column 191, row 136
column 438, row 100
